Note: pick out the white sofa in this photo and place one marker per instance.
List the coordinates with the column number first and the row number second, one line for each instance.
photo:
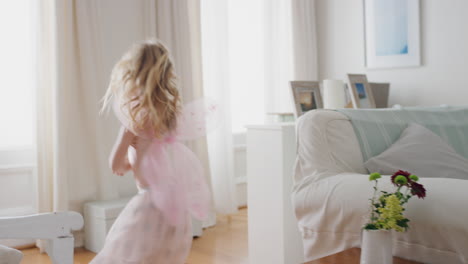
column 331, row 192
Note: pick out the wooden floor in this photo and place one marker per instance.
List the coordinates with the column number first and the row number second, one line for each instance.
column 352, row 256
column 226, row 243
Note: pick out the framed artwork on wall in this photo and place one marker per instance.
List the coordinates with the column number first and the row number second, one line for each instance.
column 392, row 33
column 306, row 95
column 360, row 91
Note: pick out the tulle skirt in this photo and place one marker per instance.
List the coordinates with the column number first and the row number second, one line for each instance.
column 142, row 235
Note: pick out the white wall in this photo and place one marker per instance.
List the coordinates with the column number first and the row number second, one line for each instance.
column 443, row 77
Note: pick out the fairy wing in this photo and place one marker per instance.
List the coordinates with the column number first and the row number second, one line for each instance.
column 198, row 118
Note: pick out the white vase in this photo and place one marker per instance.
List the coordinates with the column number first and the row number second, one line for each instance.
column 376, row 247
column 334, row 96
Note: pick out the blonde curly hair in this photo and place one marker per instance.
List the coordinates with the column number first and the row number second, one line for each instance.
column 143, row 83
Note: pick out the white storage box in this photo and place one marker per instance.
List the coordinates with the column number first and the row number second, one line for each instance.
column 99, row 217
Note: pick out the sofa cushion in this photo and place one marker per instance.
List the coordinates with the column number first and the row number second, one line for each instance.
column 421, row 152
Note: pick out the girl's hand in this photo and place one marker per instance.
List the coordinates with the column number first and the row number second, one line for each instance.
column 124, row 168
column 118, row 160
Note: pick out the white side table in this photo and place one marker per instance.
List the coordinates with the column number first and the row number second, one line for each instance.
column 273, row 233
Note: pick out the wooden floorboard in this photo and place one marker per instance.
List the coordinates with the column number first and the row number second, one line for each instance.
column 226, row 243
column 352, row 256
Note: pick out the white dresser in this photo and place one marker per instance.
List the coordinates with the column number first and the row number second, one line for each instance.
column 273, row 234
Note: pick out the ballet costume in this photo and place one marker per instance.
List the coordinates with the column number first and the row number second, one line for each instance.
column 155, row 226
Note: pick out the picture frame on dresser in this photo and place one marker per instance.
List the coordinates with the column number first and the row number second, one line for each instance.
column 360, row 91
column 306, row 95
column 380, row 91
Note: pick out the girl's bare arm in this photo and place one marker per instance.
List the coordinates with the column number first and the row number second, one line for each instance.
column 118, row 160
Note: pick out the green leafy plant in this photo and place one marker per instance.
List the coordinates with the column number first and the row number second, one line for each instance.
column 387, row 207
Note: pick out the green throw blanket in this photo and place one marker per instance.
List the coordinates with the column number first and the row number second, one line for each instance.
column 378, row 129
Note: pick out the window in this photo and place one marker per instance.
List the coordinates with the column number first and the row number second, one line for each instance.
column 251, row 41
column 17, row 74
column 246, row 57
column 17, row 71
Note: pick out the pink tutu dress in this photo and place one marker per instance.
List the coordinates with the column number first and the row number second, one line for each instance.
column 155, row 226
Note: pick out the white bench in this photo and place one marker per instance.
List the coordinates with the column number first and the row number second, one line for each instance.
column 55, row 228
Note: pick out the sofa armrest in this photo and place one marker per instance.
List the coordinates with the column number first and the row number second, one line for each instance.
column 326, row 146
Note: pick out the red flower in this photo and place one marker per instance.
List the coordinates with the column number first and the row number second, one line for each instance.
column 418, row 189
column 402, row 173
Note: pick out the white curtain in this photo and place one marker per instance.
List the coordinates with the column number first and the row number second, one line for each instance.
column 251, row 50
column 68, row 153
column 278, row 49
column 79, row 42
column 178, row 25
column 290, row 49
column 304, row 35
column 217, row 86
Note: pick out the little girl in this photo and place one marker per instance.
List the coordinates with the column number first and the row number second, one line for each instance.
column 155, row 226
